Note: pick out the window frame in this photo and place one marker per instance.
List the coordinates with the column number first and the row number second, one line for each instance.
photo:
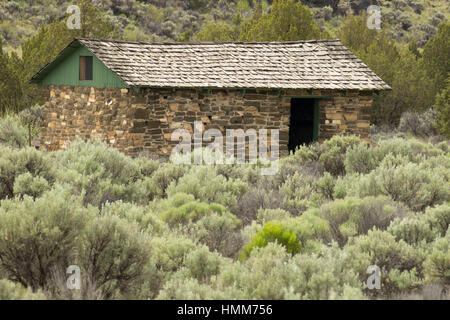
column 86, row 68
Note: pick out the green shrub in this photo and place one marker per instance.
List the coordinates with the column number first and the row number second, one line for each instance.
column 422, row 228
column 262, row 195
column 95, row 156
column 324, row 276
column 385, row 251
column 412, row 230
column 99, row 173
column 168, row 256
column 248, row 173
column 219, row 232
column 306, row 187
column 412, row 148
column 182, row 208
column 168, row 253
column 444, row 146
column 325, row 186
column 265, row 215
column 332, row 153
column 146, row 166
column 413, row 185
column 183, row 287
column 397, row 261
column 351, row 217
column 416, row 185
column 441, row 164
column 437, row 264
column 205, row 185
column 310, row 229
column 404, row 281
column 300, row 192
column 191, row 211
column 272, row 273
column 26, row 184
column 442, row 105
column 165, row 175
column 418, row 124
column 143, row 191
column 203, row 264
column 113, row 254
column 24, row 171
column 256, row 277
column 40, row 235
column 146, row 220
column 439, row 218
column 273, row 232
column 362, row 158
column 290, row 165
column 14, row 291
column 304, row 154
column 12, row 133
column 143, row 230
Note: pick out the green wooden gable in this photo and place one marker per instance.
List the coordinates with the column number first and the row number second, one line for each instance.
column 64, row 70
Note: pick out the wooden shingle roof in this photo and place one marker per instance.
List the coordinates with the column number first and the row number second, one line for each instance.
column 314, row 64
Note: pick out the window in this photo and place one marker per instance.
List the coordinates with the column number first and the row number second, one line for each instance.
column 86, row 67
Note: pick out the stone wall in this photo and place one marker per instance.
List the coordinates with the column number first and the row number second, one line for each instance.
column 346, row 114
column 142, row 122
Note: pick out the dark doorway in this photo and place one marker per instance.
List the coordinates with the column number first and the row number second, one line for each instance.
column 301, row 129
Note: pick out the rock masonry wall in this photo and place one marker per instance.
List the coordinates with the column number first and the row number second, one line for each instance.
column 141, row 122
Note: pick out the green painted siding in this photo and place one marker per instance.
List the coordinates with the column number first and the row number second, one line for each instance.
column 66, row 73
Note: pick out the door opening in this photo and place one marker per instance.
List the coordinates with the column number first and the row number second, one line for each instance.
column 302, row 129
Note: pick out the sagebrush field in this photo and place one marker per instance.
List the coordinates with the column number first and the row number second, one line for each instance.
column 141, row 229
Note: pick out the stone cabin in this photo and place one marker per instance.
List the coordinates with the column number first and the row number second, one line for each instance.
column 134, row 95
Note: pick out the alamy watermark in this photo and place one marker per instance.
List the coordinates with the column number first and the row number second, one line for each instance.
column 374, row 17
column 74, row 280
column 235, row 144
column 374, row 280
column 74, row 20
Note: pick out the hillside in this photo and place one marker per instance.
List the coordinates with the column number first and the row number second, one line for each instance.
column 158, row 20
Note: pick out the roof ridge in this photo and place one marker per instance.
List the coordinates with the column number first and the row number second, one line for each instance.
column 210, row 42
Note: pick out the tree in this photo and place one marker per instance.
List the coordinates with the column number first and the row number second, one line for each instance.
column 40, row 49
column 355, row 35
column 220, row 31
column 51, row 39
column 442, row 105
column 287, row 21
column 32, row 118
column 322, row 3
column 436, row 56
column 412, row 88
column 10, row 86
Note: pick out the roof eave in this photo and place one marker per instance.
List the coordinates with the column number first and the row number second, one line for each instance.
column 49, row 66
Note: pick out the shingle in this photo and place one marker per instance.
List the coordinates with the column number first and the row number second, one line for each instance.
column 318, row 64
